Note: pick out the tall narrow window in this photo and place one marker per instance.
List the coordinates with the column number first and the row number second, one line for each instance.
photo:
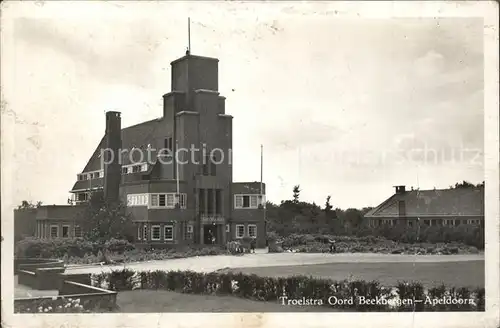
column 65, row 231
column 238, row 201
column 77, row 231
column 206, row 162
column 213, row 165
column 210, row 199
column 182, row 200
column 154, row 200
column 155, row 232
column 145, row 232
column 170, row 200
column 246, row 201
column 254, row 201
column 252, row 230
column 54, row 231
column 162, row 201
column 188, row 232
column 240, row 231
column 201, row 201
column 169, row 232
column 218, row 202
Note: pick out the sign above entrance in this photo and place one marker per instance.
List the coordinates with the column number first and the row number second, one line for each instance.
column 206, row 219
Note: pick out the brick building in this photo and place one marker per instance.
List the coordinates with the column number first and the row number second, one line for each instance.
column 449, row 207
column 189, row 200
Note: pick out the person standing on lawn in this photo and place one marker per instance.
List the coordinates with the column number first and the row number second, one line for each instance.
column 252, row 245
column 332, row 245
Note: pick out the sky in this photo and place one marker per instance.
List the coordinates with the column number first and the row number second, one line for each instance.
column 346, row 107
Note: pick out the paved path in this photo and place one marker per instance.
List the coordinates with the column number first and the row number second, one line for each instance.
column 216, row 262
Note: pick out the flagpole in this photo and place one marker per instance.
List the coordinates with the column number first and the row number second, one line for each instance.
column 189, row 34
column 261, row 167
column 177, row 172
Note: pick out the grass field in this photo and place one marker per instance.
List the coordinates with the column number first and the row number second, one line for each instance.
column 457, row 274
column 142, row 301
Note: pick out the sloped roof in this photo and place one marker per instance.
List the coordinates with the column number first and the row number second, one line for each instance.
column 444, row 202
column 138, row 136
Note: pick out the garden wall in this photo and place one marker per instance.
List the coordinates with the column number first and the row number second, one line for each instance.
column 91, row 298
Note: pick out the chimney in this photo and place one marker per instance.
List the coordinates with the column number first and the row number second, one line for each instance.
column 111, row 154
column 400, row 189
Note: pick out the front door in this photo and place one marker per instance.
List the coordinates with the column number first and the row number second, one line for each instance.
column 210, row 234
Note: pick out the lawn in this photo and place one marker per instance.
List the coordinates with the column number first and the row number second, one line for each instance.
column 457, row 274
column 142, row 301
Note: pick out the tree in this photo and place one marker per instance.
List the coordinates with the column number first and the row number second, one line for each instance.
column 103, row 220
column 328, row 207
column 28, row 205
column 296, row 194
column 463, row 184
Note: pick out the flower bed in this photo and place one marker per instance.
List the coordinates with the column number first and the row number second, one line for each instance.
column 299, row 287
column 307, row 243
column 79, row 251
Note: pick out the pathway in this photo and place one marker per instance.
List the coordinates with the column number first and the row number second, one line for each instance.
column 217, row 262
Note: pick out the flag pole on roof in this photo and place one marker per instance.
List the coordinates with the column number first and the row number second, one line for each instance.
column 189, row 36
column 177, row 195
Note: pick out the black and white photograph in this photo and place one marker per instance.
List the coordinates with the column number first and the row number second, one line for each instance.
column 326, row 160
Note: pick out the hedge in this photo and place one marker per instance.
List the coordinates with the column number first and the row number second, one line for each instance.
column 298, row 287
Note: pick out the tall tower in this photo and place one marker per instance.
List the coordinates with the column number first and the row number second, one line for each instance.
column 112, row 166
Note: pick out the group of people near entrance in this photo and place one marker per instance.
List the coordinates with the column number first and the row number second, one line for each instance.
column 235, row 247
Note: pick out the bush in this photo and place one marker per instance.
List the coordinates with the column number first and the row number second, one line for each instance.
column 55, row 248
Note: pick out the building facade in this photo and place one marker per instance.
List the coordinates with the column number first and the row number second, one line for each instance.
column 174, row 173
column 445, row 207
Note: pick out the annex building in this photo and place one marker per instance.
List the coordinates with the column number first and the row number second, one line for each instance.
column 437, row 207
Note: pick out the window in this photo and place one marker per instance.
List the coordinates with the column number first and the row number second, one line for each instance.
column 252, row 230
column 210, row 202
column 137, row 200
column 247, row 201
column 206, row 162
column 170, row 200
column 138, row 232
column 188, row 232
column 238, row 201
column 144, row 167
column 218, row 201
column 410, row 223
column 54, row 231
column 162, row 202
column 77, row 231
column 182, row 201
column 167, row 200
column 228, row 228
column 213, row 166
column 65, row 231
column 169, row 143
column 155, row 232
column 457, row 222
column 427, row 222
column 253, row 201
column 145, row 232
column 136, row 168
column 124, row 170
column 240, row 231
column 154, row 201
column 169, row 232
